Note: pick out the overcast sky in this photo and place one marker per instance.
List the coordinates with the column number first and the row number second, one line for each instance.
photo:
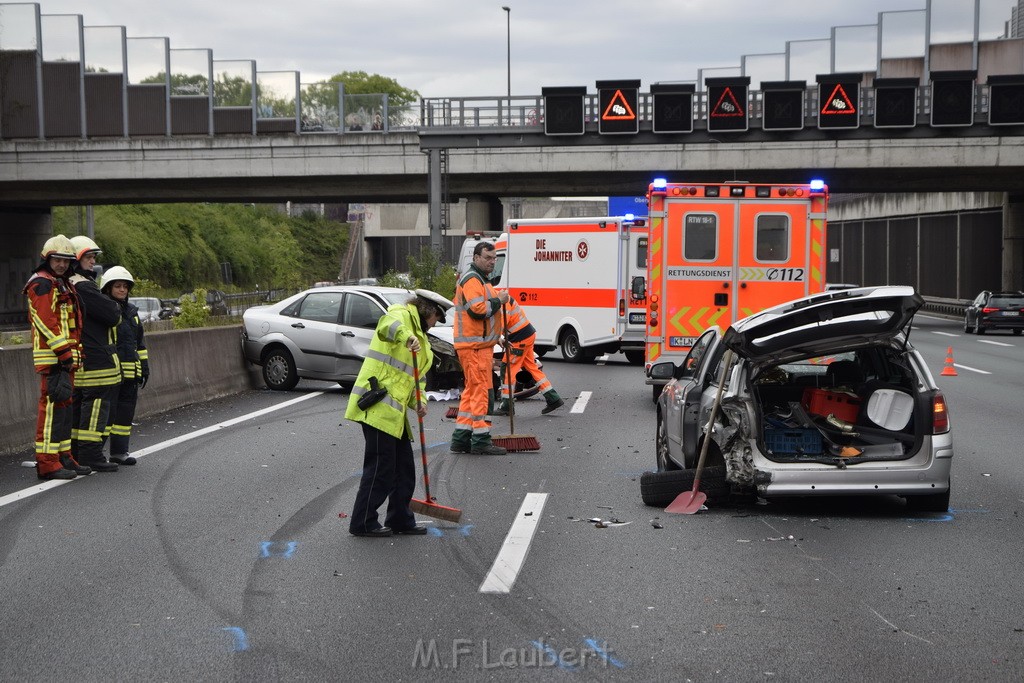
column 457, row 48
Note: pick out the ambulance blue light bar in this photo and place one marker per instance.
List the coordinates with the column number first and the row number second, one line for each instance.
column 659, row 183
column 817, row 185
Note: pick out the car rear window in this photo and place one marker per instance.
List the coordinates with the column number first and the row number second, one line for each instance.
column 1006, row 302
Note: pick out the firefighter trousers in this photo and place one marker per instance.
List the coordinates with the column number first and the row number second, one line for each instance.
column 122, row 412
column 471, row 426
column 53, row 430
column 389, row 471
column 91, row 413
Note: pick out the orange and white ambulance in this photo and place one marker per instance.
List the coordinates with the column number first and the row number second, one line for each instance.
column 723, row 251
column 574, row 278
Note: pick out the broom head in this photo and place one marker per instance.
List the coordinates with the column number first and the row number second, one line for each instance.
column 517, row 443
column 422, row 507
column 452, row 412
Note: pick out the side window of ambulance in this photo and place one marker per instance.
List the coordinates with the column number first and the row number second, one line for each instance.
column 700, row 237
column 772, row 238
column 499, row 266
column 641, row 253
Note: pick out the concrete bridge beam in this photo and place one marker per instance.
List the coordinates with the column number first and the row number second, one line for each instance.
column 1013, row 242
column 23, row 230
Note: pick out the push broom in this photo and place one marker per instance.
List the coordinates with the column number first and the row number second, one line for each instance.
column 428, row 507
column 513, row 443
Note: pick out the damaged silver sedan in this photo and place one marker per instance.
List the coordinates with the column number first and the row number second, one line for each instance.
column 823, row 396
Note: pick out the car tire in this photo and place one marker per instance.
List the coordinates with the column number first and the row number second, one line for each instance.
column 967, row 326
column 279, row 371
column 938, row 502
column 661, row 459
column 978, row 329
column 570, row 347
column 635, row 357
column 658, row 489
column 1017, row 332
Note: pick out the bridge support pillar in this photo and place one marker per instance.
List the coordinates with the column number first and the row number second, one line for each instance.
column 1013, row 242
column 484, row 213
column 22, row 232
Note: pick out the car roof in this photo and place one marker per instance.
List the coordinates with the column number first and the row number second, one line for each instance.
column 824, row 323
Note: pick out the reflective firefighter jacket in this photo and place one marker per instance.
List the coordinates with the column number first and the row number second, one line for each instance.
column 131, row 343
column 477, row 312
column 101, row 314
column 390, row 361
column 55, row 315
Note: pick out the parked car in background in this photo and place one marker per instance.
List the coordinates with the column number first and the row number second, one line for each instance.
column 216, row 302
column 995, row 311
column 825, row 396
column 324, row 333
column 149, row 307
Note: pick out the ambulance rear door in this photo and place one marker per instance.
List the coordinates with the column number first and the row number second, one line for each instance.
column 773, row 254
column 698, row 257
column 636, row 283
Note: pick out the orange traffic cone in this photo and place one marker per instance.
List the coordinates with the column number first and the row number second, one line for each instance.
column 949, row 370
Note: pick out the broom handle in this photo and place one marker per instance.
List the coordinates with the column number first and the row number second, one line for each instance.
column 508, row 373
column 423, row 439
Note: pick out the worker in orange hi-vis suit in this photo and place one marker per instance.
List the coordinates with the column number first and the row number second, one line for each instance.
column 520, row 336
column 477, row 329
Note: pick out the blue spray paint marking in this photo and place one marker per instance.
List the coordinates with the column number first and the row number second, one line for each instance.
column 603, row 653
column 241, row 642
column 940, row 517
column 434, row 531
column 289, row 549
column 465, row 529
column 550, row 651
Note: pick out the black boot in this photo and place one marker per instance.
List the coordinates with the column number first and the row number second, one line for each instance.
column 56, row 474
column 123, row 459
column 69, row 464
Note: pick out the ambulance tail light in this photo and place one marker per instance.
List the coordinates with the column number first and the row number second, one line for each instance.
column 680, row 191
column 653, row 308
column 622, row 308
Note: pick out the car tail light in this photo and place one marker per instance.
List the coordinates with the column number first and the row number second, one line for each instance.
column 940, row 414
column 989, row 309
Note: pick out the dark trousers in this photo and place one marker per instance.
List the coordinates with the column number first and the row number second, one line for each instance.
column 122, row 411
column 389, row 471
column 91, row 412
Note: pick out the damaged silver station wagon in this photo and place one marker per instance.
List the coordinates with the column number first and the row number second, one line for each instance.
column 823, row 396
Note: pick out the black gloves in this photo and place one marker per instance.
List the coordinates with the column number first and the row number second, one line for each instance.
column 142, row 381
column 58, row 385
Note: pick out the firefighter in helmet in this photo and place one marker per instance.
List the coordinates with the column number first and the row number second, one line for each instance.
column 101, row 371
column 117, row 283
column 55, row 316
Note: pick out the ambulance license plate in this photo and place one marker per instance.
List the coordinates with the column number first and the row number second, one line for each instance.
column 637, row 318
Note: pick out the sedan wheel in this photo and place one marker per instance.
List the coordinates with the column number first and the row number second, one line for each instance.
column 967, row 326
column 658, row 489
column 279, row 371
column 664, row 463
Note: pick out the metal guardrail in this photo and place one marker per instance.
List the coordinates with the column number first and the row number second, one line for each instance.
column 951, row 308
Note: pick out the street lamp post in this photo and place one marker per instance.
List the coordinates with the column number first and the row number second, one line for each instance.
column 508, row 58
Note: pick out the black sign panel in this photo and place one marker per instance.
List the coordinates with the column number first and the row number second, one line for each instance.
column 1005, row 100
column 895, row 102
column 952, row 98
column 839, row 101
column 783, row 105
column 673, row 108
column 727, row 104
column 617, row 101
column 563, row 110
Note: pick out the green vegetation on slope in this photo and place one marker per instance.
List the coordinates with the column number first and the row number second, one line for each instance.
column 182, row 246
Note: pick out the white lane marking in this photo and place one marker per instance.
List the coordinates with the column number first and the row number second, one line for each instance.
column 945, row 334
column 967, row 367
column 581, row 402
column 53, row 483
column 517, row 544
column 989, row 341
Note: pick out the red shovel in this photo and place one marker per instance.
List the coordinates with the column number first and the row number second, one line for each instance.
column 689, row 502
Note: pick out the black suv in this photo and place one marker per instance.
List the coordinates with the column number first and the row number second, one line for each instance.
column 995, row 311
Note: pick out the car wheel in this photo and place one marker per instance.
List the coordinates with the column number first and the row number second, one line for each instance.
column 978, row 329
column 1017, row 332
column 635, row 357
column 663, row 462
column 967, row 326
column 938, row 502
column 279, row 371
column 658, row 489
column 570, row 347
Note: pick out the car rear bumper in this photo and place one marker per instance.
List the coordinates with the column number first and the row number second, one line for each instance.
column 1003, row 323
column 875, row 478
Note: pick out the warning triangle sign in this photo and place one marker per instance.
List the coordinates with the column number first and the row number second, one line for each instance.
column 618, row 109
column 727, row 105
column 838, row 102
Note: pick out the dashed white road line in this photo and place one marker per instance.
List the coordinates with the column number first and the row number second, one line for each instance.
column 54, row 483
column 967, row 367
column 995, row 343
column 581, row 402
column 513, row 551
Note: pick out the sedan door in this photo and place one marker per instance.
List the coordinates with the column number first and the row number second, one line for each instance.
column 683, row 399
column 359, row 316
column 314, row 330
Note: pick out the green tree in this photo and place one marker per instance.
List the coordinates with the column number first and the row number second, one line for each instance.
column 362, row 91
